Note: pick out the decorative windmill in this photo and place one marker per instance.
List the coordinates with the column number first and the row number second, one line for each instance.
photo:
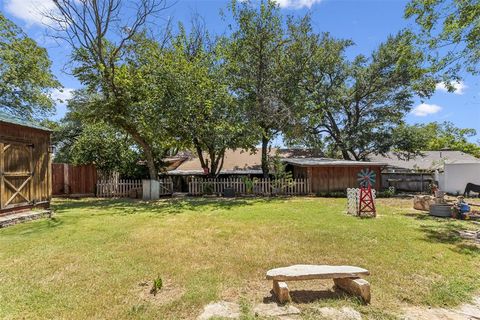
column 366, row 179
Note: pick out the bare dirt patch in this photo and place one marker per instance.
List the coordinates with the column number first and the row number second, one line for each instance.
column 169, row 292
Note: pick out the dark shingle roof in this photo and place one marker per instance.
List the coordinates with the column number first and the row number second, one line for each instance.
column 239, row 161
column 8, row 118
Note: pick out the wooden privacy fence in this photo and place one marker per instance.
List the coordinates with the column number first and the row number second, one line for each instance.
column 199, row 186
column 408, row 181
column 116, row 188
column 69, row 179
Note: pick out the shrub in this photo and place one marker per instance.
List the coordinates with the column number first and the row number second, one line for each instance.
column 208, row 188
column 390, row 192
column 249, row 184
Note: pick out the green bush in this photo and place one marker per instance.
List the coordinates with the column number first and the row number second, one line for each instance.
column 390, row 192
column 208, row 188
column 249, row 184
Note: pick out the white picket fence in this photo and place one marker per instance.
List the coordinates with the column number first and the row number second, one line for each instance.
column 121, row 188
column 199, row 186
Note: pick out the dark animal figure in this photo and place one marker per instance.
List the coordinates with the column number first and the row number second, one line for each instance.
column 471, row 187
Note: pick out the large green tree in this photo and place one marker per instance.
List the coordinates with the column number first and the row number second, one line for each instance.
column 435, row 136
column 206, row 116
column 353, row 106
column 110, row 59
column 110, row 150
column 26, row 81
column 263, row 61
column 64, row 134
column 450, row 31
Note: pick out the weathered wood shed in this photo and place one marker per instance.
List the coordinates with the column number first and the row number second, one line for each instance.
column 330, row 175
column 25, row 165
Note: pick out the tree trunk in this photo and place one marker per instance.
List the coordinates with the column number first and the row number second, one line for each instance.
column 147, row 150
column 152, row 169
column 355, row 155
column 200, row 154
column 222, row 159
column 345, row 154
column 265, row 168
column 213, row 164
column 214, row 169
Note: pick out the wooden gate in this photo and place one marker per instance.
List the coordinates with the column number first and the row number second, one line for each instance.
column 16, row 175
column 73, row 180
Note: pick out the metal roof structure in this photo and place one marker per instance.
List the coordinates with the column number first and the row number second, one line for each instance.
column 8, row 118
column 200, row 172
column 317, row 162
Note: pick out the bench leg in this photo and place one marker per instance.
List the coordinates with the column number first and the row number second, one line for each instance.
column 355, row 286
column 280, row 289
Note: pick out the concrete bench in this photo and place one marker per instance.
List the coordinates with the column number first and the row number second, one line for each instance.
column 346, row 278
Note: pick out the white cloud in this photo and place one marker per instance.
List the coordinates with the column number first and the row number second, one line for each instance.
column 31, row 11
column 426, row 109
column 62, row 95
column 297, row 4
column 459, row 87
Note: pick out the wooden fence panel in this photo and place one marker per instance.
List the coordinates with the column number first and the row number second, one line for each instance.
column 407, row 181
column 58, row 180
column 199, row 186
column 82, row 179
column 69, row 179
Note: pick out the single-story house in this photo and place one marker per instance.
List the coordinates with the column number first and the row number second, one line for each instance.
column 25, row 167
column 326, row 175
column 237, row 163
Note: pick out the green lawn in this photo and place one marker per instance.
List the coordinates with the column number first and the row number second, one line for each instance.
column 93, row 258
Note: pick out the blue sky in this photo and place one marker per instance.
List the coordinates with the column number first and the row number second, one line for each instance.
column 366, row 22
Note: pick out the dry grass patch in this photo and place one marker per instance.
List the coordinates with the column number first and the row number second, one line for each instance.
column 89, row 260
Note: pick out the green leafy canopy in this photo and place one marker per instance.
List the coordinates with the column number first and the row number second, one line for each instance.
column 26, row 81
column 450, row 31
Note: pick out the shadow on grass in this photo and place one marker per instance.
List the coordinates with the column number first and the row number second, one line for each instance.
column 419, row 215
column 468, row 249
column 446, row 230
column 34, row 227
column 163, row 206
column 310, row 296
column 443, row 233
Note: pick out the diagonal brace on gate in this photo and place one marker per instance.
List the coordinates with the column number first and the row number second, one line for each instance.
column 16, row 191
